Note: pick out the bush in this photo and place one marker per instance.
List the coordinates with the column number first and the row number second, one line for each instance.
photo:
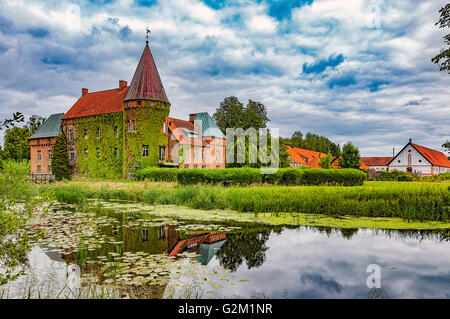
column 396, row 175
column 157, row 174
column 285, row 176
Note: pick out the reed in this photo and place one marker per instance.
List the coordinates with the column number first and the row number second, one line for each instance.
column 411, row 201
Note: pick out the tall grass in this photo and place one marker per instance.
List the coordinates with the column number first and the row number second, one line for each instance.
column 409, row 201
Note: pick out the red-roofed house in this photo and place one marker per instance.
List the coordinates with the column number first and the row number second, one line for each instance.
column 419, row 159
column 377, row 164
column 301, row 157
column 335, row 163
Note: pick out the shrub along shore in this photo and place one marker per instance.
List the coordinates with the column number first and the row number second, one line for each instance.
column 410, row 201
column 254, row 176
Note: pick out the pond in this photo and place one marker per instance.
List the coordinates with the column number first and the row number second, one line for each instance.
column 129, row 250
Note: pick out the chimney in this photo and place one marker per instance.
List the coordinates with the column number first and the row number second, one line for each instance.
column 192, row 117
column 410, row 140
column 122, row 84
column 393, row 151
column 84, row 91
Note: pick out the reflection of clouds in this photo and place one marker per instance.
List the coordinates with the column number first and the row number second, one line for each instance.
column 308, row 264
column 319, row 281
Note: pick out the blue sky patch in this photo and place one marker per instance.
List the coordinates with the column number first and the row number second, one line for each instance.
column 321, row 65
column 282, row 9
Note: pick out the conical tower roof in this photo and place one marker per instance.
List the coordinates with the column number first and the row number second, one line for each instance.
column 146, row 83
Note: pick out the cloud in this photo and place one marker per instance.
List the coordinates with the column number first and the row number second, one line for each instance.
column 318, row 66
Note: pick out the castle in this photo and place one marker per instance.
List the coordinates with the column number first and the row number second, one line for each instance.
column 112, row 132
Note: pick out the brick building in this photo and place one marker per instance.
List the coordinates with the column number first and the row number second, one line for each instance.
column 112, row 132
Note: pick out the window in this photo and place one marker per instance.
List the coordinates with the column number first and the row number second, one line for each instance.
column 398, row 161
column 72, row 154
column 164, row 126
column 85, row 153
column 131, row 125
column 49, row 168
column 98, row 153
column 85, row 133
column 49, row 140
column 39, row 168
column 144, row 150
column 186, row 166
column 195, row 166
column 138, row 102
column 50, row 155
column 71, row 135
column 98, row 133
column 204, row 154
column 39, row 155
column 116, row 152
column 218, row 160
column 420, row 161
column 162, row 153
column 195, row 155
column 204, row 166
column 116, row 131
column 152, row 103
column 217, row 166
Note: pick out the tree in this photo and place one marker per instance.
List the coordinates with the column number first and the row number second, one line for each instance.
column 325, row 162
column 255, row 115
column 350, row 156
column 229, row 114
column 446, row 145
column 35, row 122
column 16, row 143
column 60, row 159
column 17, row 117
column 444, row 55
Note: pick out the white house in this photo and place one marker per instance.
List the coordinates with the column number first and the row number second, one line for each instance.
column 377, row 164
column 419, row 159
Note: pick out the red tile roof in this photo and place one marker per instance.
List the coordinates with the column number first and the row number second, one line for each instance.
column 436, row 158
column 305, row 157
column 376, row 161
column 177, row 126
column 95, row 103
column 335, row 163
column 146, row 83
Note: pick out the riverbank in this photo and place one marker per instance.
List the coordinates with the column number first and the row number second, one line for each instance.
column 414, row 205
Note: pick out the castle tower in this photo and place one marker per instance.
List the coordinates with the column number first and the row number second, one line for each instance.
column 145, row 109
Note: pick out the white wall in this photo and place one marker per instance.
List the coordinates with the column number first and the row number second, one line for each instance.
column 419, row 163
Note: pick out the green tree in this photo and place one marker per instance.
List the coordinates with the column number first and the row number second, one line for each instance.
column 325, row 162
column 254, row 115
column 446, row 145
column 444, row 55
column 17, row 117
column 35, row 122
column 350, row 156
column 16, row 143
column 60, row 159
column 229, row 114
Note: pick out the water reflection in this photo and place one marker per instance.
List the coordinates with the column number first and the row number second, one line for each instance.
column 255, row 261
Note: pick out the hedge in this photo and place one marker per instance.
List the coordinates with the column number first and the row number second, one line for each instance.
column 396, row 175
column 157, row 174
column 284, row 176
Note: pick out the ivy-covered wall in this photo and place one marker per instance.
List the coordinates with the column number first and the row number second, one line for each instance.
column 109, row 162
column 149, row 121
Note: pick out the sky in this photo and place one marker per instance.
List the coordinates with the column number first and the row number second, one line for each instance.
column 353, row 70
